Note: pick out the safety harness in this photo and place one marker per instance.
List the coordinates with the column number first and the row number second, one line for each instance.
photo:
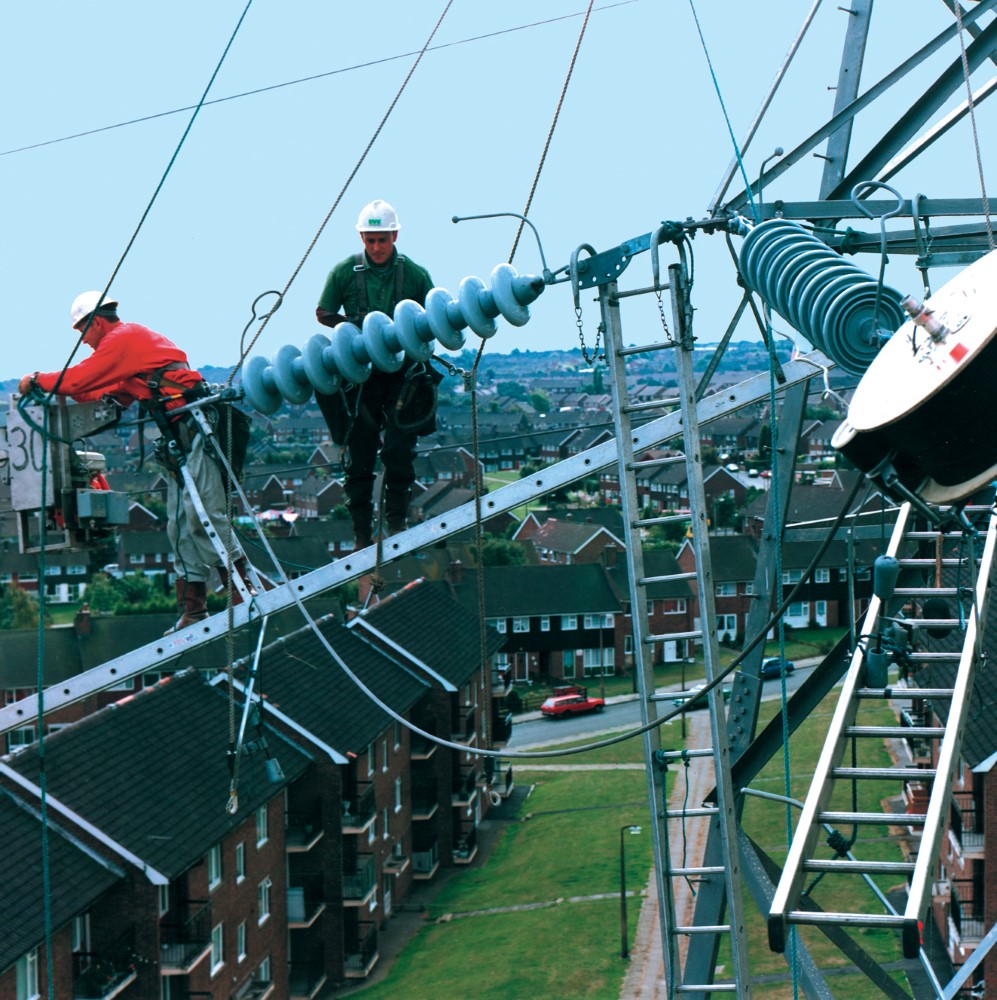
column 360, row 273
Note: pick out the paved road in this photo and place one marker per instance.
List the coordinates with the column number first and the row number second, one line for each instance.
column 532, row 729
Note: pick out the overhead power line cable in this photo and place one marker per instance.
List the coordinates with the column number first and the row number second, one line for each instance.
column 304, row 79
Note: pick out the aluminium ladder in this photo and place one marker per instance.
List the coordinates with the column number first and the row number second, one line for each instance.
column 722, row 813
column 933, row 562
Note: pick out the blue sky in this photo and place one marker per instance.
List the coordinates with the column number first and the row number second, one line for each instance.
column 641, row 138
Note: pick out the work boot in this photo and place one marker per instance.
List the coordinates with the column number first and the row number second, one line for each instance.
column 192, row 604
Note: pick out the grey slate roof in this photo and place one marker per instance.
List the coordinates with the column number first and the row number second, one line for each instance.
column 428, row 622
column 77, row 878
column 518, row 591
column 151, row 771
column 299, row 678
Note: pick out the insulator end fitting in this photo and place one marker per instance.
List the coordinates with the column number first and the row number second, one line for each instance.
column 924, row 317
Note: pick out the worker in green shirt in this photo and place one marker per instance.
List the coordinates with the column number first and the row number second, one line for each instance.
column 366, row 417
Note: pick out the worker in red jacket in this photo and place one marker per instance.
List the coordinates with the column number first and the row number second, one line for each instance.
column 131, row 362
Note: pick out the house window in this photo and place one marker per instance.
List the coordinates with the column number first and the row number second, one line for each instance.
column 726, row 590
column 749, row 589
column 371, row 758
column 675, row 606
column 164, row 899
column 822, row 576
column 263, row 972
column 81, row 933
column 240, row 942
column 214, row 867
column 500, row 626
column 520, row 625
column 240, row 862
column 727, row 627
column 136, row 559
column 217, row 948
column 799, row 609
column 842, row 573
column 27, row 976
column 384, row 820
column 591, row 664
column 372, row 832
column 628, row 644
column 569, row 622
column 398, row 794
column 545, row 623
column 262, row 826
column 792, row 575
column 263, row 900
column 398, row 734
column 384, row 755
column 76, row 570
column 17, row 739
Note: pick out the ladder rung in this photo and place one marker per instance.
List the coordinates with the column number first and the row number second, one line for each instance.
column 903, row 694
column 933, row 622
column 673, row 635
column 915, row 773
column 902, row 732
column 654, row 404
column 860, row 867
column 646, row 522
column 650, row 463
column 927, row 591
column 682, row 754
column 815, row 917
column 692, row 813
column 704, row 929
column 915, row 563
column 932, row 535
column 711, row 988
column 709, row 870
column 661, row 345
column 872, row 819
column 644, row 581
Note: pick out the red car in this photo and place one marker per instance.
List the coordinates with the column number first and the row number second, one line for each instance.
column 570, row 701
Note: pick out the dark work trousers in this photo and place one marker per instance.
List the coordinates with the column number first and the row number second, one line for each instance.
column 373, row 429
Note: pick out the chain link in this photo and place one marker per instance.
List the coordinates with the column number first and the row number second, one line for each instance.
column 661, row 313
column 590, row 359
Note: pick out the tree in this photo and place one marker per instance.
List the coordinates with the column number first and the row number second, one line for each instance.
column 18, row 609
column 501, row 552
column 540, row 401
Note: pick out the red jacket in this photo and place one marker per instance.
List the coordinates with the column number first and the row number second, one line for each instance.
column 120, row 365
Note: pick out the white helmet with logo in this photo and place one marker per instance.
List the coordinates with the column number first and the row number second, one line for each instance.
column 378, row 217
column 85, row 303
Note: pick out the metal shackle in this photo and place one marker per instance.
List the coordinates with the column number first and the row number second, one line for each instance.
column 836, row 305
column 349, row 354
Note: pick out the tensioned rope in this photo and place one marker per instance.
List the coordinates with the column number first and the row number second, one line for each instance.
column 472, row 377
column 342, row 192
column 957, row 7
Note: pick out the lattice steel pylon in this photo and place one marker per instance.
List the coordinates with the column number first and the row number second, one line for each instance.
column 629, row 463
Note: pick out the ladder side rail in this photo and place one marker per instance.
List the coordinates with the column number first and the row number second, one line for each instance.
column 643, row 665
column 919, row 894
column 727, row 816
column 334, row 574
column 808, row 828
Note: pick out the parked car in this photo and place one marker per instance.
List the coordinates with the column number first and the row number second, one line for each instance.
column 696, row 696
column 770, row 667
column 570, row 701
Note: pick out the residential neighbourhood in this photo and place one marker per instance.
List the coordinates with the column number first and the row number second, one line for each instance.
column 361, row 776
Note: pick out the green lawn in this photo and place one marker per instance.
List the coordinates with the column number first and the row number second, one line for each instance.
column 565, row 848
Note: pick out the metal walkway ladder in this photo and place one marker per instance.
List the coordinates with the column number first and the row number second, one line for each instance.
column 629, row 464
column 942, row 592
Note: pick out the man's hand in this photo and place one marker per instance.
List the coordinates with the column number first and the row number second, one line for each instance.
column 26, row 384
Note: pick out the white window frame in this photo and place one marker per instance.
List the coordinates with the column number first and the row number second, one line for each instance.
column 520, row 625
column 398, row 794
column 263, row 900
column 214, row 867
column 500, row 626
column 822, row 575
column 164, row 899
column 240, row 862
column 240, row 942
column 726, row 589
column 569, row 623
column 545, row 623
column 262, row 826
column 217, row 948
column 27, row 976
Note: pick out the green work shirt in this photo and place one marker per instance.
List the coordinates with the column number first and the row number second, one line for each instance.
column 340, row 294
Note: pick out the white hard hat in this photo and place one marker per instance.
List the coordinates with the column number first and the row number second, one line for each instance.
column 85, row 303
column 378, row 216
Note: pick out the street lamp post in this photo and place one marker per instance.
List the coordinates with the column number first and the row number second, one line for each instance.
column 624, row 946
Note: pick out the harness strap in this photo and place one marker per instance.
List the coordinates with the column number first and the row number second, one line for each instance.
column 360, row 272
